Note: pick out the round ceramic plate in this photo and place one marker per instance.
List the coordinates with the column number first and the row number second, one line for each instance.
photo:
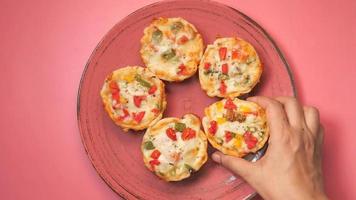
column 115, row 154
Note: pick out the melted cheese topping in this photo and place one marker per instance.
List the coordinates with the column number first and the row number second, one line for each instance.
column 251, row 119
column 170, row 43
column 243, row 68
column 133, row 82
column 178, row 158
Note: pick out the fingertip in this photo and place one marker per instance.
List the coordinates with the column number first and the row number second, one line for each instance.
column 261, row 100
column 256, row 99
column 253, row 98
column 216, row 157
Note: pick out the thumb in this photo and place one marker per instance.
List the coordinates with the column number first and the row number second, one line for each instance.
column 238, row 166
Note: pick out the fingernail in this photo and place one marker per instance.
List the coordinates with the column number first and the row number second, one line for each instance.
column 216, row 157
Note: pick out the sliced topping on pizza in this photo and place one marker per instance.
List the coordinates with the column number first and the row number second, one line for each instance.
column 138, row 100
column 222, row 88
column 169, row 54
column 156, row 35
column 188, row 133
column 222, row 53
column 149, row 145
column 171, row 134
column 138, row 116
column 250, row 140
column 155, row 154
column 152, row 89
column 213, row 127
column 176, row 27
column 179, row 126
column 229, row 135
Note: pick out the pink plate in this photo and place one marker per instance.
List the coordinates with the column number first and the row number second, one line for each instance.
column 115, row 154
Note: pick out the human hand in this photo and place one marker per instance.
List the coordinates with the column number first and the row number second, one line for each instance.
column 291, row 167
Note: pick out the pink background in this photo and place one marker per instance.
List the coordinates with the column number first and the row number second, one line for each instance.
column 45, row 45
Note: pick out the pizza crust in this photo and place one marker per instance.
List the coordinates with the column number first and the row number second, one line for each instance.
column 166, row 49
column 126, row 77
column 243, row 65
column 192, row 152
column 257, row 120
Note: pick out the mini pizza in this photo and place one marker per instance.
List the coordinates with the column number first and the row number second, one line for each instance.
column 236, row 127
column 133, row 97
column 230, row 67
column 171, row 48
column 174, row 148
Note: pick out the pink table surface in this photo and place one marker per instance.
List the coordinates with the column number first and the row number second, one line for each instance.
column 45, row 45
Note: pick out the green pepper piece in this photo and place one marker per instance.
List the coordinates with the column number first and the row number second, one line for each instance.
column 170, row 53
column 157, row 36
column 223, row 77
column 142, row 81
column 149, row 145
column 179, row 126
column 207, row 72
column 176, row 27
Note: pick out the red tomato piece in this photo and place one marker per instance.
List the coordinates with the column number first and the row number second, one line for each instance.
column 235, row 54
column 247, row 135
column 155, row 154
column 126, row 112
column 115, row 91
column 152, row 89
column 154, row 163
column 155, row 110
column 188, row 133
column 182, row 70
column 251, row 145
column 114, row 88
column 116, row 106
column 228, row 136
column 113, row 85
column 116, row 96
column 250, row 140
column 229, row 104
column 171, row 134
column 138, row 100
column 222, row 53
column 213, row 127
column 183, row 39
column 138, row 116
column 222, row 88
column 225, row 68
column 124, row 115
column 207, row 66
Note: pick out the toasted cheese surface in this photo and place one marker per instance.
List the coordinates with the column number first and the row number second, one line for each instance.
column 230, row 67
column 133, row 97
column 236, row 127
column 173, row 148
column 171, row 48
